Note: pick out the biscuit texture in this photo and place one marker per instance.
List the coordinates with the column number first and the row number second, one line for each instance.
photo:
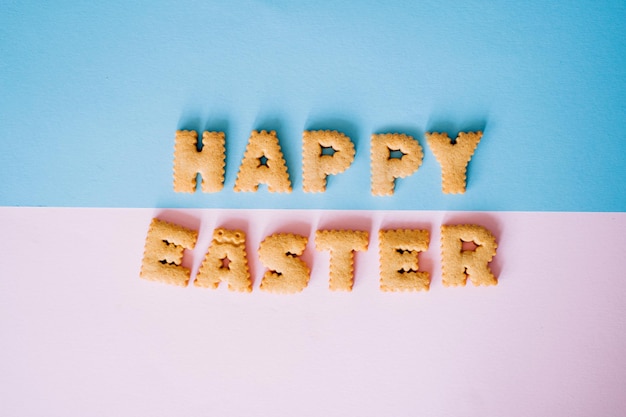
column 384, row 168
column 226, row 260
column 163, row 254
column 399, row 266
column 458, row 264
column 263, row 163
column 453, row 158
column 286, row 274
column 341, row 244
column 316, row 166
column 210, row 162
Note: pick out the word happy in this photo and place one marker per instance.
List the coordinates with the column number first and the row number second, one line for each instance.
column 324, row 153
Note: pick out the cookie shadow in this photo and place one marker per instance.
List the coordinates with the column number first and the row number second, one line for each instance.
column 339, row 124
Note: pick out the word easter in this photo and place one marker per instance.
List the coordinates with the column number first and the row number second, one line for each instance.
column 324, row 152
column 226, row 259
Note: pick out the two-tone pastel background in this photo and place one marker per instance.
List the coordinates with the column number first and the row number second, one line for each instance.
column 90, row 98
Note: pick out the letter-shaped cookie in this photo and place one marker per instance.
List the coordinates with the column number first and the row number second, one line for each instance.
column 458, row 264
column 453, row 158
column 263, row 163
column 209, row 162
column 341, row 244
column 226, row 260
column 163, row 253
column 316, row 166
column 286, row 274
column 399, row 268
column 386, row 169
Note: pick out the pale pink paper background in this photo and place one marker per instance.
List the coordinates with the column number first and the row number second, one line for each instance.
column 83, row 335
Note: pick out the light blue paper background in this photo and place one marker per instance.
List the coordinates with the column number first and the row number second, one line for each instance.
column 91, row 95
